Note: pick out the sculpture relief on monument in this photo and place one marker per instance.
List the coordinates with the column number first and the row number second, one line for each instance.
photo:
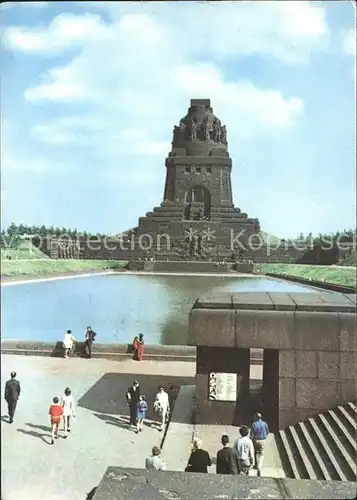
column 200, row 126
column 198, row 190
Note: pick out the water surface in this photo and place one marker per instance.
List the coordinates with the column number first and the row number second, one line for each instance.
column 117, row 306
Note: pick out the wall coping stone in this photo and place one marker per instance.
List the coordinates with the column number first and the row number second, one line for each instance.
column 137, row 484
column 282, row 301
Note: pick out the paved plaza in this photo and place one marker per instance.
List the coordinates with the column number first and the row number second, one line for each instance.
column 31, row 468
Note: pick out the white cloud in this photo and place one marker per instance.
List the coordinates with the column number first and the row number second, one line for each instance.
column 141, row 68
column 64, row 32
column 349, row 42
column 37, row 5
column 288, row 31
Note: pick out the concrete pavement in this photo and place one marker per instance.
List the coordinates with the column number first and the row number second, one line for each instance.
column 31, row 468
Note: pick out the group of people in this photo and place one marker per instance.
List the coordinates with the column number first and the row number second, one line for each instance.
column 138, row 406
column 64, row 409
column 69, row 342
column 247, row 451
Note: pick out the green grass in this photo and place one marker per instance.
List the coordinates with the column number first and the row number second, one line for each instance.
column 25, row 250
column 332, row 274
column 38, row 268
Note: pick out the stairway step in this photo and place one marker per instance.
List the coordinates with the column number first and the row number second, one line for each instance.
column 290, row 455
column 324, row 472
column 351, row 409
column 350, row 423
column 327, row 450
column 345, row 461
column 309, row 472
column 339, row 426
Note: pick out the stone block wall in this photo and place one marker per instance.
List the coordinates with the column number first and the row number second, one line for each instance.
column 309, row 342
column 320, row 372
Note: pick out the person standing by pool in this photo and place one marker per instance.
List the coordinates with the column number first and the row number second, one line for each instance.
column 138, row 346
column 141, row 409
column 12, row 394
column 132, row 397
column 68, row 410
column 68, row 343
column 55, row 412
column 90, row 337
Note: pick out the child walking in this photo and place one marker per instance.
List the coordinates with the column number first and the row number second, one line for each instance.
column 141, row 409
column 55, row 412
column 68, row 410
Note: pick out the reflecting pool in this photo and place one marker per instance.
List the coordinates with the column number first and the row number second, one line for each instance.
column 117, row 306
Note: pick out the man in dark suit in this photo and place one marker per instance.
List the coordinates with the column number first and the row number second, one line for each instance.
column 12, row 393
column 226, row 458
column 90, row 337
column 132, row 397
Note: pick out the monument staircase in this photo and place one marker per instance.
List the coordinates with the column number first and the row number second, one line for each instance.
column 322, row 447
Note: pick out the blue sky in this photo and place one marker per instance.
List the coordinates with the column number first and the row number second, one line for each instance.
column 90, row 93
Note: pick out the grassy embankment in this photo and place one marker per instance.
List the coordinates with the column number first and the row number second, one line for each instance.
column 28, row 261
column 48, row 267
column 332, row 274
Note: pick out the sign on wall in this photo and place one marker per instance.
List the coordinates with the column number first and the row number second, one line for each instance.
column 222, row 387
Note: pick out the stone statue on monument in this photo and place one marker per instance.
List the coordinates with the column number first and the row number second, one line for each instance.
column 217, row 130
column 193, row 130
column 206, row 130
column 177, row 134
column 224, row 135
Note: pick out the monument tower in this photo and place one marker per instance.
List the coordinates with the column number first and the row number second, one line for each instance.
column 197, row 212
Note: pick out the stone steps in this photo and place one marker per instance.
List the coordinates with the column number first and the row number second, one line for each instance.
column 322, row 447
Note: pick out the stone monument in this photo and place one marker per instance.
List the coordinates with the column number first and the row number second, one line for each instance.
column 197, row 214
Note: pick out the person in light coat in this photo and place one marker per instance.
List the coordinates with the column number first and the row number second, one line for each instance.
column 68, row 410
column 162, row 406
column 68, row 343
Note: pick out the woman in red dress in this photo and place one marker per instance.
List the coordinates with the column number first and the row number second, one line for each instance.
column 138, row 346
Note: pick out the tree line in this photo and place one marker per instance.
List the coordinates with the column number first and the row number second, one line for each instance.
column 14, row 232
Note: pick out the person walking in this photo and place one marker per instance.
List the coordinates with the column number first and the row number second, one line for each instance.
column 132, row 397
column 141, row 409
column 68, row 343
column 162, row 406
column 90, row 337
column 155, row 462
column 259, row 434
column 12, row 394
column 138, row 346
column 55, row 412
column 244, row 450
column 199, row 459
column 68, row 410
column 226, row 462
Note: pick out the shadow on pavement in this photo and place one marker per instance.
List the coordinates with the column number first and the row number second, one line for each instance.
column 118, row 422
column 41, row 427
column 107, row 396
column 37, row 435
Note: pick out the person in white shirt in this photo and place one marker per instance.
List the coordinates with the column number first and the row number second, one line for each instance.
column 68, row 410
column 68, row 343
column 162, row 406
column 244, row 450
column 155, row 462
